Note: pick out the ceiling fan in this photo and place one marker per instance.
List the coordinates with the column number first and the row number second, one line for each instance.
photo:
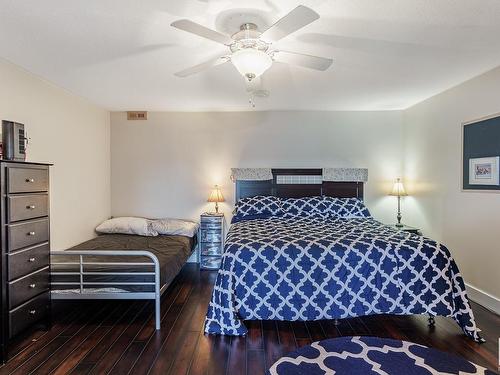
column 252, row 51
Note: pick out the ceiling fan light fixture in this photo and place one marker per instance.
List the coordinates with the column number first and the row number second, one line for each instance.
column 251, row 62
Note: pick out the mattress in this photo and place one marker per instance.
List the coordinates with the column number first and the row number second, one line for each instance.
column 172, row 253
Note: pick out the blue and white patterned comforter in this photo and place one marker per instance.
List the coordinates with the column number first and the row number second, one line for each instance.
column 305, row 268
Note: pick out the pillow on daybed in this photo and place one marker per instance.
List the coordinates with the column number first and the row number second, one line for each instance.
column 258, row 207
column 127, row 225
column 175, row 227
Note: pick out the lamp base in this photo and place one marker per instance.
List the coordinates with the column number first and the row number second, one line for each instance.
column 399, row 225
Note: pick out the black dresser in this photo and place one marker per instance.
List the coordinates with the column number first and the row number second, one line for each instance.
column 25, row 242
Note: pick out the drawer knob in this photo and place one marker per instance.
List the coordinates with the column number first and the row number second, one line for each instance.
column 30, row 180
column 32, row 286
column 32, row 312
column 31, row 207
column 31, row 260
column 31, row 233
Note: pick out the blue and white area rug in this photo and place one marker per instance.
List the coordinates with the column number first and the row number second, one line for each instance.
column 371, row 356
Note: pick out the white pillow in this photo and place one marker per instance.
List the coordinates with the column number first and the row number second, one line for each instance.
column 127, row 225
column 175, row 227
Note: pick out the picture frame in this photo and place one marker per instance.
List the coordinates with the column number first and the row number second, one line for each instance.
column 484, row 171
column 481, row 150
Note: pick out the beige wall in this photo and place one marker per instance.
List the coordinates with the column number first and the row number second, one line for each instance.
column 74, row 135
column 166, row 165
column 468, row 222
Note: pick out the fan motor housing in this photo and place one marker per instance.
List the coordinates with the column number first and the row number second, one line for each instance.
column 248, row 37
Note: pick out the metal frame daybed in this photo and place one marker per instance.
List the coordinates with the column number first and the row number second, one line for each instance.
column 84, row 289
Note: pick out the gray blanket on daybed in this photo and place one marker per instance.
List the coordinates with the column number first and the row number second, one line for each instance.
column 172, row 253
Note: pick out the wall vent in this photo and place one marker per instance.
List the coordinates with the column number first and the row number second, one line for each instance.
column 137, row 115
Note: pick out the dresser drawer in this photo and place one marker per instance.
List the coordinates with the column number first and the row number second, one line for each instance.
column 28, row 313
column 28, row 287
column 212, row 226
column 27, row 261
column 211, row 248
column 210, row 263
column 26, row 180
column 211, row 221
column 24, row 207
column 211, row 235
column 28, row 233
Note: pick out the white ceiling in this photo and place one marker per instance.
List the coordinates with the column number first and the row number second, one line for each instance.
column 121, row 54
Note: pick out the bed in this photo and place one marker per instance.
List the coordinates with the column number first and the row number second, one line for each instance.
column 120, row 266
column 311, row 268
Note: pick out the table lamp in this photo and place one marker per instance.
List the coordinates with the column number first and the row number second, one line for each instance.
column 216, row 197
column 399, row 191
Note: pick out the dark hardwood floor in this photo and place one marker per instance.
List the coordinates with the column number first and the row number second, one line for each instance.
column 118, row 337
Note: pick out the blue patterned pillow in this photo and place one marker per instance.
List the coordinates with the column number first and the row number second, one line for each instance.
column 347, row 208
column 307, row 206
column 258, row 207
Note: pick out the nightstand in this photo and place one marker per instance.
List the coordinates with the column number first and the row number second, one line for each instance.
column 407, row 228
column 211, row 240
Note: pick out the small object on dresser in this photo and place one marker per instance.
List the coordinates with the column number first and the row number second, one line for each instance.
column 407, row 228
column 13, row 141
column 211, row 240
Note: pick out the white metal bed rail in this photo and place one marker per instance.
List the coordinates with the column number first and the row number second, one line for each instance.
column 82, row 283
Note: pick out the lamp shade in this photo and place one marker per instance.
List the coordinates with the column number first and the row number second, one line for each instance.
column 251, row 62
column 398, row 189
column 215, row 195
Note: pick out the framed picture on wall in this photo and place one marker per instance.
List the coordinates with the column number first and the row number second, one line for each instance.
column 484, row 171
column 481, row 154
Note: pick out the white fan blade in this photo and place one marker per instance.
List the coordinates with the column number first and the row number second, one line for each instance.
column 204, row 32
column 296, row 19
column 203, row 66
column 307, row 61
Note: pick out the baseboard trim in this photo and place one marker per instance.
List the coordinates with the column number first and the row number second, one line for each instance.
column 483, row 298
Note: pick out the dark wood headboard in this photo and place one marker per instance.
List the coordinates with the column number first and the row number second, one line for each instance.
column 298, row 183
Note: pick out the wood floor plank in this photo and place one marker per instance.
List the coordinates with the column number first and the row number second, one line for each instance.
column 286, row 337
column 237, row 363
column 166, row 301
column 358, row 327
column 315, row 330
column 256, row 362
column 300, row 330
column 136, row 347
column 175, row 341
column 89, row 343
column 329, row 328
column 74, row 341
column 67, row 365
column 155, row 343
column 272, row 347
column 116, row 329
column 218, row 360
column 344, row 328
column 184, row 357
column 201, row 355
column 115, row 351
column 254, row 335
